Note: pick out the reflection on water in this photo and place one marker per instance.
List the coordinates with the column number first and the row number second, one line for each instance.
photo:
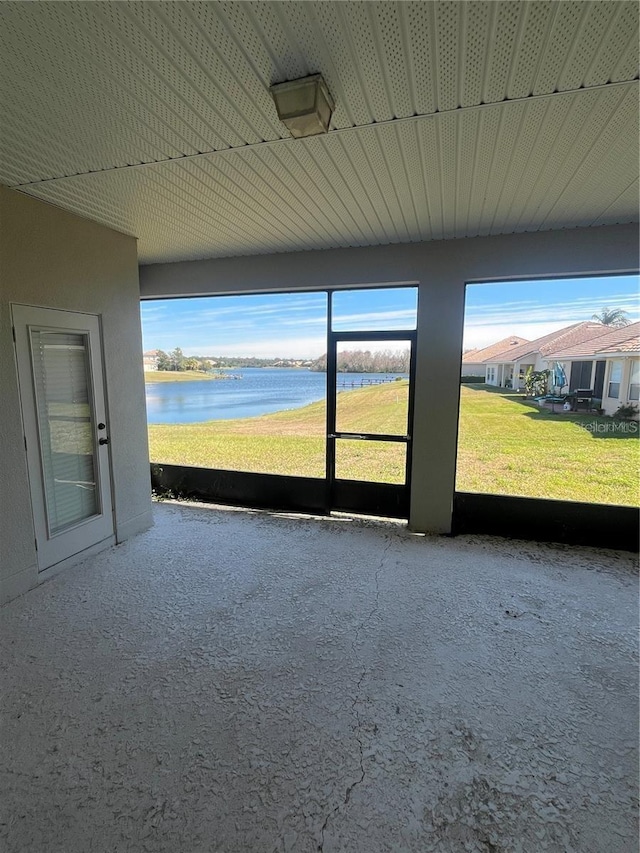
column 259, row 392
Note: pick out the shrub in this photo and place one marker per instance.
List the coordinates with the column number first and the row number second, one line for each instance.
column 536, row 381
column 626, row 412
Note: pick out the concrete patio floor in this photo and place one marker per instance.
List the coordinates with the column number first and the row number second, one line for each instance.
column 235, row 681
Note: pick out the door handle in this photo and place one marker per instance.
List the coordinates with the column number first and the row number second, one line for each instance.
column 103, row 441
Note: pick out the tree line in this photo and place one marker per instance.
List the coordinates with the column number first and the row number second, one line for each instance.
column 177, row 360
column 365, row 361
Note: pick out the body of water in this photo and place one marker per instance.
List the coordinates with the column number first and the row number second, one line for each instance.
column 260, row 391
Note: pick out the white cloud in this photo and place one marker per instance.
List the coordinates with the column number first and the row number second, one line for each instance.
column 306, row 348
column 377, row 316
column 484, row 336
column 488, row 324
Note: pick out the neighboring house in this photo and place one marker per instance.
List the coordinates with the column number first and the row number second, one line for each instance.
column 474, row 362
column 150, row 359
column 509, row 368
column 470, row 367
column 609, row 364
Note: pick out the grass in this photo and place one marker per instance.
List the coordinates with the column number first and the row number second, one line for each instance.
column 511, row 447
column 177, row 375
column 505, row 446
column 292, row 441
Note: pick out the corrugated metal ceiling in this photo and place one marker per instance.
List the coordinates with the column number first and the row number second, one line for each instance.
column 453, row 119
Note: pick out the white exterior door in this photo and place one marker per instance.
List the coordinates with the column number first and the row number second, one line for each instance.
column 66, row 429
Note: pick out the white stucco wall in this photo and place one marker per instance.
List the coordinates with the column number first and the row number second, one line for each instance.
column 473, row 368
column 492, row 373
column 441, row 270
column 53, row 259
column 612, row 404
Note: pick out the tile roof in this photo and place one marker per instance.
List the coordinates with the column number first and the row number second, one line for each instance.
column 490, row 352
column 466, row 356
column 619, row 339
column 564, row 338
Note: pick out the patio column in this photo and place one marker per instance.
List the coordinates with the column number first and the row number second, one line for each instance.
column 435, row 428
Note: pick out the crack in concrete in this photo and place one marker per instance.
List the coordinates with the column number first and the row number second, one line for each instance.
column 356, row 700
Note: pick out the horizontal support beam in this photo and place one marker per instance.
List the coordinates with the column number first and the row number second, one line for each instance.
column 605, row 250
column 370, row 436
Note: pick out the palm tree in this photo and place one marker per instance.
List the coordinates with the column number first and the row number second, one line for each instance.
column 612, row 317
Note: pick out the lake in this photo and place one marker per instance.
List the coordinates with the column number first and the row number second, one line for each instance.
column 261, row 390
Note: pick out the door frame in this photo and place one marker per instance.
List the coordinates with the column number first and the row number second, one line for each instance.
column 55, row 548
column 367, row 498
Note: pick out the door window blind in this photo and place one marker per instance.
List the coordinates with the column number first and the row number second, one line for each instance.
column 62, row 381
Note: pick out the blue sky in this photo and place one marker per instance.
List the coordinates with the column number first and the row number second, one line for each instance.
column 532, row 309
column 287, row 325
column 293, row 325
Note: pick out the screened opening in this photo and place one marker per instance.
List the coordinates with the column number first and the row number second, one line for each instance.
column 235, row 382
column 374, row 309
column 239, row 383
column 549, row 379
column 380, row 373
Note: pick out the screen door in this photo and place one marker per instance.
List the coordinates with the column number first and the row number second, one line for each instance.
column 369, row 422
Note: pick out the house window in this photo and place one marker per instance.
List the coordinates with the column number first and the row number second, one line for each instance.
column 580, row 375
column 634, row 381
column 491, row 374
column 615, row 376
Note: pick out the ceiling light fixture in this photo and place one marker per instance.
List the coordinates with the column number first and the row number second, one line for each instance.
column 304, row 105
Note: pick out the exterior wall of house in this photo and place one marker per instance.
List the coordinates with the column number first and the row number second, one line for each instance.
column 520, row 371
column 441, row 269
column 53, row 259
column 611, row 404
column 499, row 374
column 507, row 376
column 492, row 374
column 536, row 362
column 549, row 364
column 473, row 369
column 150, row 362
column 633, row 392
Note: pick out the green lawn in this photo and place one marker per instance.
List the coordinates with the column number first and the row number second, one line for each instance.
column 292, row 442
column 509, row 446
column 506, row 446
column 177, row 376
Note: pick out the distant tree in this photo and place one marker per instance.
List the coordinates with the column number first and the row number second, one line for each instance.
column 177, row 359
column 612, row 317
column 174, row 360
column 164, row 362
column 191, row 364
column 365, row 361
column 320, row 364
